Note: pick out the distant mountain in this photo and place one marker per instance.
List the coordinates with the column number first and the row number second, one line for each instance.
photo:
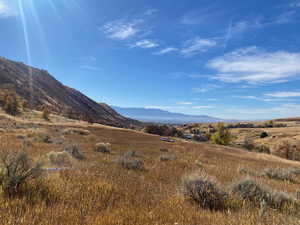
column 162, row 116
column 41, row 89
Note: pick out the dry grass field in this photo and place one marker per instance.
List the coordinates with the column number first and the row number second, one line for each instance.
column 98, row 190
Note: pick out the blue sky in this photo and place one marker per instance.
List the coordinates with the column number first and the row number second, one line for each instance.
column 231, row 59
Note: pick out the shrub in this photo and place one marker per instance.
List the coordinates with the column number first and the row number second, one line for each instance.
column 250, row 190
column 16, row 169
column 131, row 164
column 59, row 158
column 205, row 191
column 248, row 144
column 167, row 157
column 222, row 136
column 75, row 151
column 131, row 154
column 79, row 131
column 46, row 114
column 278, row 174
column 12, row 104
column 264, row 134
column 102, row 147
column 288, row 150
column 263, row 149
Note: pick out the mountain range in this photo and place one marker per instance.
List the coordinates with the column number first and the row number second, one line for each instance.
column 162, row 116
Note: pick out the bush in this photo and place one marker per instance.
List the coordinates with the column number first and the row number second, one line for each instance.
column 205, row 191
column 264, row 134
column 250, row 190
column 12, row 104
column 222, row 136
column 59, row 158
column 248, row 144
column 131, row 154
column 79, row 131
column 278, row 174
column 131, row 164
column 102, row 147
column 263, row 149
column 75, row 151
column 288, row 150
column 46, row 114
column 167, row 157
column 16, row 169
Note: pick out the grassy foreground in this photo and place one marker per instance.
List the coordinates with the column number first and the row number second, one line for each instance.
column 98, row 190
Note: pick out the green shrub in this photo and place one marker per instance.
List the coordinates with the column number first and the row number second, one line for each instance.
column 222, row 136
column 167, row 157
column 205, row 191
column 16, row 169
column 264, row 134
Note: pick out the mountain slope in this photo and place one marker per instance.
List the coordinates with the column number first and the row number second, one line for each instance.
column 39, row 88
column 162, row 116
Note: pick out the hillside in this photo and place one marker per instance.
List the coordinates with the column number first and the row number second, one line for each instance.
column 39, row 88
column 162, row 116
column 99, row 190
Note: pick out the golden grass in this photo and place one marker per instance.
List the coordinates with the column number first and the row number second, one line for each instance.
column 98, row 191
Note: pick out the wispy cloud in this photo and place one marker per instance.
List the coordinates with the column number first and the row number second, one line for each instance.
column 197, row 45
column 284, row 94
column 255, row 65
column 122, row 29
column 166, row 51
column 206, row 88
column 285, row 17
column 150, row 12
column 295, row 4
column 145, row 44
column 88, row 67
column 203, row 107
column 184, row 103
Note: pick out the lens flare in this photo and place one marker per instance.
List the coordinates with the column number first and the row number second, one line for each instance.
column 27, row 47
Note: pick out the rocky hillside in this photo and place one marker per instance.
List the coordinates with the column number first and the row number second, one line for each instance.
column 39, row 88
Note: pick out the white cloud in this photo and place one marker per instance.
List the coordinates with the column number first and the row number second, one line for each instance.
column 150, row 12
column 166, row 50
column 203, row 107
column 145, row 44
column 5, row 9
column 206, row 88
column 285, row 17
column 284, row 94
column 254, row 65
column 121, row 29
column 197, row 45
column 88, row 67
column 184, row 103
